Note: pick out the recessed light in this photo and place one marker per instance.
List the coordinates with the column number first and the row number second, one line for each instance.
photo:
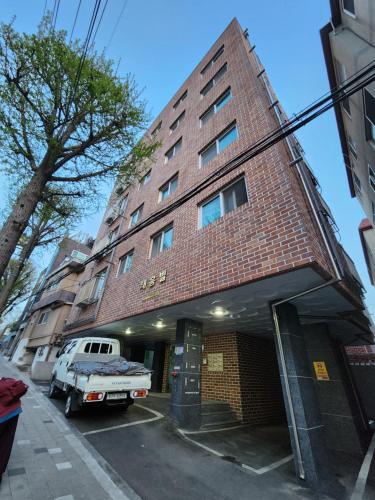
column 128, row 331
column 159, row 324
column 219, row 312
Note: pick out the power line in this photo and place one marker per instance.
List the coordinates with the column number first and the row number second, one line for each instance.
column 100, row 20
column 117, row 23
column 83, row 56
column 75, row 20
column 289, row 127
column 55, row 13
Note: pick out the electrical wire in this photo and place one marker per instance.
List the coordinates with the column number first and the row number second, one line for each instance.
column 299, row 120
column 116, row 25
column 75, row 20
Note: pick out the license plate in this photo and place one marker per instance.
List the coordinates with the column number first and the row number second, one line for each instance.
column 117, row 395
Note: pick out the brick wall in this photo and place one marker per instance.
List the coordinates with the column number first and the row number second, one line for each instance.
column 222, row 386
column 271, row 233
column 261, row 393
column 164, row 387
column 250, row 381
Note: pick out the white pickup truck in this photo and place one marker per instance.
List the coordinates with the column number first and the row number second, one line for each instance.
column 90, row 370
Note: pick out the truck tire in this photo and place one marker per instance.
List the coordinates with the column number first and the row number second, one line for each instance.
column 53, row 391
column 70, row 404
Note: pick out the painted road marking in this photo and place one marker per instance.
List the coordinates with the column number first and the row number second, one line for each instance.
column 157, row 416
column 260, row 471
column 360, row 484
column 64, row 465
column 54, row 451
column 218, row 430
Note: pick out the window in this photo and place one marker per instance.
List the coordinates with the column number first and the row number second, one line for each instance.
column 99, row 284
column 371, row 176
column 179, row 101
column 173, row 150
column 125, row 263
column 168, row 188
column 53, row 284
column 135, row 216
column 156, row 130
column 357, row 183
column 216, row 107
column 113, row 234
column 96, row 347
column 43, row 318
column 123, row 204
column 177, row 122
column 348, row 7
column 214, row 81
column 343, row 76
column 369, row 115
column 352, row 146
column 216, row 147
column 227, row 200
column 212, row 61
column 145, row 179
column 162, row 241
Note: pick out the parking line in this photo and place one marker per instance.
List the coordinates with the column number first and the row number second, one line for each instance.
column 360, row 485
column 259, row 472
column 217, row 430
column 158, row 416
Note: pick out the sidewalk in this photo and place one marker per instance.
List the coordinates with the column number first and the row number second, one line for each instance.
column 50, row 461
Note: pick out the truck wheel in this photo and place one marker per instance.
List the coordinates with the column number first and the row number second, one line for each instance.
column 70, row 404
column 53, row 391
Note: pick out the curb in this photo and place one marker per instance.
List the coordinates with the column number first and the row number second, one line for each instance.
column 116, row 487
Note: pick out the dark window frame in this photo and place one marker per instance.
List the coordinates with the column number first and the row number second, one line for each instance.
column 213, row 59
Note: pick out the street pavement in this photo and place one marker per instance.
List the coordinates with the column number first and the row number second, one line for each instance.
column 50, row 461
column 139, row 454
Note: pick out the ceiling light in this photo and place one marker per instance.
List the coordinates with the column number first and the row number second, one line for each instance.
column 219, row 312
column 128, row 331
column 159, row 324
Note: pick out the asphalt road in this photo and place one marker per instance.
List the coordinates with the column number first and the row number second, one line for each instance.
column 159, row 464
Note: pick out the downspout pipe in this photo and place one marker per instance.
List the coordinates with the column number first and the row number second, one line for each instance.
column 296, row 160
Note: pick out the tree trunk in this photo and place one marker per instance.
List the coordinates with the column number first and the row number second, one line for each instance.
column 18, row 219
column 16, row 271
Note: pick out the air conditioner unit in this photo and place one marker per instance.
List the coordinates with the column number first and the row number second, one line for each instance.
column 85, row 294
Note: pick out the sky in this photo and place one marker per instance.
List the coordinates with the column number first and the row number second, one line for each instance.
column 161, row 43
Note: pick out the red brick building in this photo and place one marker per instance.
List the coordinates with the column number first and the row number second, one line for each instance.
column 257, row 235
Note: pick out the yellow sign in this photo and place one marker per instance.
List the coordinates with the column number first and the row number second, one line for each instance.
column 320, row 370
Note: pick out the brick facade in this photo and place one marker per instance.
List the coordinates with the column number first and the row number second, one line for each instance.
column 250, row 382
column 274, row 232
column 261, row 394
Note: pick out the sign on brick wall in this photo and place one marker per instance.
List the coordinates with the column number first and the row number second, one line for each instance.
column 215, row 362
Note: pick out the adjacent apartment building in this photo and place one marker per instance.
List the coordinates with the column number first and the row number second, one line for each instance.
column 226, row 277
column 349, row 46
column 41, row 324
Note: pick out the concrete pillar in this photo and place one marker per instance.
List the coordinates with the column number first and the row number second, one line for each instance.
column 186, row 387
column 301, row 401
column 341, row 415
